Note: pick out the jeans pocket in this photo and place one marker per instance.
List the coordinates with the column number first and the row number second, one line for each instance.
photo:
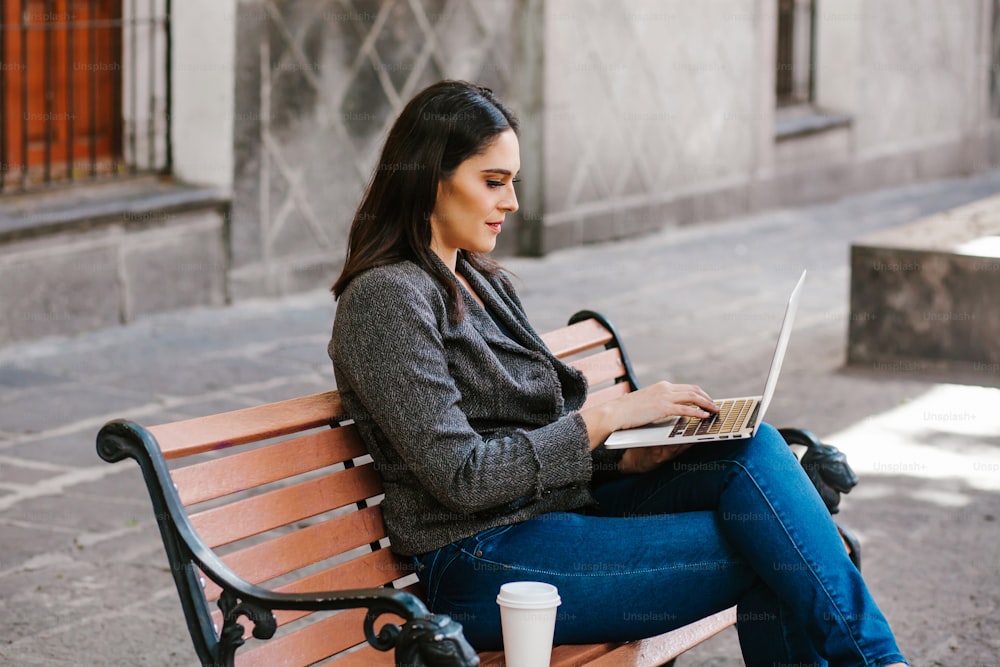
column 431, row 568
column 479, row 545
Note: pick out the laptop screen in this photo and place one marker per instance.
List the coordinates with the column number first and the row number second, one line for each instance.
column 779, row 351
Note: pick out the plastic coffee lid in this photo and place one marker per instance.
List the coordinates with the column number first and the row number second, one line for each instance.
column 529, row 595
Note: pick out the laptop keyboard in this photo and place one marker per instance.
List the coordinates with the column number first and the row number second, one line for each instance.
column 731, row 415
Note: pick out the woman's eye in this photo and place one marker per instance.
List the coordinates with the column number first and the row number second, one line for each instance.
column 500, row 184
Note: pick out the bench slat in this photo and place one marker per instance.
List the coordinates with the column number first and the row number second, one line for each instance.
column 213, row 479
column 305, row 546
column 371, row 570
column 576, row 338
column 606, row 394
column 309, row 644
column 565, row 655
column 663, row 648
column 368, row 656
column 252, row 516
column 203, row 434
column 602, row 367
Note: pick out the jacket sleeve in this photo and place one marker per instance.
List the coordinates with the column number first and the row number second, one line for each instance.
column 388, row 349
column 604, row 461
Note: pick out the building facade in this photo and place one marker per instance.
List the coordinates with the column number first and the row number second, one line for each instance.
column 192, row 153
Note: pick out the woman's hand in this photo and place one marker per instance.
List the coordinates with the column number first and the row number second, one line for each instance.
column 644, row 406
column 661, row 401
column 644, row 459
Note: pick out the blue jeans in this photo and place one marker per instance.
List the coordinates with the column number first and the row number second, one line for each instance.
column 724, row 523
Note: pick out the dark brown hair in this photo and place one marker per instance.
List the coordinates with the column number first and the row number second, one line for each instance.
column 444, row 125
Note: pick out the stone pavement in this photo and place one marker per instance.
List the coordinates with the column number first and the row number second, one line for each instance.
column 83, row 577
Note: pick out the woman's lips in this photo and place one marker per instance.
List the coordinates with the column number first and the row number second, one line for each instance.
column 495, row 226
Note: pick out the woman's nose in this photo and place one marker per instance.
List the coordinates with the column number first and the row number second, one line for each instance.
column 509, row 203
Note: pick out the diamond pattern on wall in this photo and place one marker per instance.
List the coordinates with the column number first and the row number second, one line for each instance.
column 913, row 46
column 639, row 94
column 333, row 76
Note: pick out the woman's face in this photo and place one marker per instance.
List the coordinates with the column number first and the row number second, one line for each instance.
column 471, row 205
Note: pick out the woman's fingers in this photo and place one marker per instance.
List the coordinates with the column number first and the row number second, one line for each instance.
column 689, row 395
column 703, row 399
column 695, row 389
column 652, row 404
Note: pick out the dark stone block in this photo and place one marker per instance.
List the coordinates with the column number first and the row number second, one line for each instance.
column 929, row 292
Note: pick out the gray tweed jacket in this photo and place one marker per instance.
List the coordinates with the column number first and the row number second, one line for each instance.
column 469, row 428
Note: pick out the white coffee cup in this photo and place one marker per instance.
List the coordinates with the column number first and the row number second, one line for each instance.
column 528, row 622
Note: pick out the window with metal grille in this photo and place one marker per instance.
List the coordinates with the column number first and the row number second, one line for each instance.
column 795, row 53
column 84, row 91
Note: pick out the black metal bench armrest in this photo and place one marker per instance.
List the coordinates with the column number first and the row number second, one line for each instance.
column 616, row 342
column 425, row 638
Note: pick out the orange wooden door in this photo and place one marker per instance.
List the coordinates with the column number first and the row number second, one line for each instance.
column 62, row 72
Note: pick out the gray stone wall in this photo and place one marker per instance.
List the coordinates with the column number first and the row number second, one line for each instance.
column 636, row 115
column 916, row 66
column 663, row 112
column 90, row 264
column 646, row 103
column 318, row 85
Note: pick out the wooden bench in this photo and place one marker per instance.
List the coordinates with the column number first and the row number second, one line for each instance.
column 272, row 513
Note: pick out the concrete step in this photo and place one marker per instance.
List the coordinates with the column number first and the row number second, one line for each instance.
column 925, row 296
column 80, row 259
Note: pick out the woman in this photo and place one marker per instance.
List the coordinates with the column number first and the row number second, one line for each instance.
column 489, row 459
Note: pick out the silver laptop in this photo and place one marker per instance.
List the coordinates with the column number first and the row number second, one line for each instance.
column 738, row 418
